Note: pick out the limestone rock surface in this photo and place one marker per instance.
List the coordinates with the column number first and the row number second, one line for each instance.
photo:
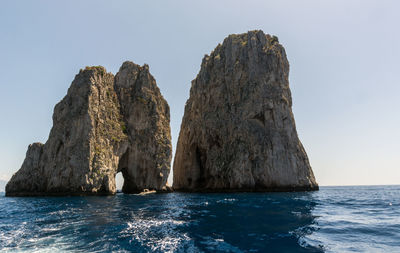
column 146, row 163
column 238, row 131
column 89, row 139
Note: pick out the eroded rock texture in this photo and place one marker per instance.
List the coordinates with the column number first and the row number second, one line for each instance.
column 146, row 164
column 238, row 132
column 90, row 137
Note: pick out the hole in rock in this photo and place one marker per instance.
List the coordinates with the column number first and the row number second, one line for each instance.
column 119, row 180
column 201, row 159
column 260, row 118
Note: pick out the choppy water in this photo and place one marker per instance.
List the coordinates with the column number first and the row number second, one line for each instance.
column 334, row 219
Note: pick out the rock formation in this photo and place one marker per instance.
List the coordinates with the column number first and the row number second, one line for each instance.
column 238, row 131
column 95, row 134
column 146, row 163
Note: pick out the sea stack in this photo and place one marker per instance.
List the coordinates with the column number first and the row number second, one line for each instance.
column 238, row 131
column 147, row 161
column 95, row 135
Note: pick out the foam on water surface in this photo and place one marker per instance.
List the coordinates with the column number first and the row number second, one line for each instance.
column 334, row 219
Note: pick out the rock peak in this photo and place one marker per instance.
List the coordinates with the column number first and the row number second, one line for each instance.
column 104, row 125
column 94, row 70
column 238, row 131
column 148, row 123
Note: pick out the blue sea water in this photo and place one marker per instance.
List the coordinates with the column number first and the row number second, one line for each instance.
column 334, row 219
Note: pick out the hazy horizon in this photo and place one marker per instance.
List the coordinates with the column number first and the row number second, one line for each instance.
column 343, row 59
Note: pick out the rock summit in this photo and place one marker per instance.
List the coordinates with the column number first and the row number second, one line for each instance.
column 104, row 125
column 238, row 131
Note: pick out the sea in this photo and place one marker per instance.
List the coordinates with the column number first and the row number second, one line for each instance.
column 333, row 219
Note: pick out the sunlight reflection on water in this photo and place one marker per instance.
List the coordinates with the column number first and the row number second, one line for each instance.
column 335, row 219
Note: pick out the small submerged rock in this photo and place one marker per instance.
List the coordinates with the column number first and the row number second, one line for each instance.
column 147, row 191
column 238, row 131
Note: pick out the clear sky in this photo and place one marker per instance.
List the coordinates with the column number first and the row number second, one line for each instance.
column 344, row 58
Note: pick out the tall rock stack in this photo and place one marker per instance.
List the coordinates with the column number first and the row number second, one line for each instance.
column 238, row 131
column 147, row 162
column 92, row 136
column 237, row 134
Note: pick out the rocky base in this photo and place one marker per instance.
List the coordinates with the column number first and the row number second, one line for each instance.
column 165, row 189
column 269, row 189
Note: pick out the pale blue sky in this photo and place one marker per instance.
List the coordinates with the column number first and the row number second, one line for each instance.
column 344, row 57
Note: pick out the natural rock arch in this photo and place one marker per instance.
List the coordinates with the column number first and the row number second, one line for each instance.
column 102, row 126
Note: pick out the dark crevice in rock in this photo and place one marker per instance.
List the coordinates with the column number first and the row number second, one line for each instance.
column 201, row 159
column 60, row 145
column 260, row 118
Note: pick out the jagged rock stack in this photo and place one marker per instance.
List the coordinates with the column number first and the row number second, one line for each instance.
column 147, row 161
column 101, row 127
column 238, row 131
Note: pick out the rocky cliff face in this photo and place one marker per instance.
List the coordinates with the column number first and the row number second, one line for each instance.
column 238, row 131
column 146, row 163
column 90, row 139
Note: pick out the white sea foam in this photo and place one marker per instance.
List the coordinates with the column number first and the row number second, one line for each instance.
column 160, row 235
column 227, row 200
column 218, row 245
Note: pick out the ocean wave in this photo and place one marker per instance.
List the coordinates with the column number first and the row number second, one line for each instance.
column 341, row 219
